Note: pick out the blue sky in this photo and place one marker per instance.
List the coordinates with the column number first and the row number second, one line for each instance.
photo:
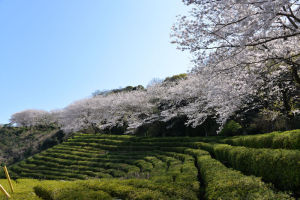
column 53, row 52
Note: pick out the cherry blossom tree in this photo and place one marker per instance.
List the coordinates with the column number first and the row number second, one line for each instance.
column 218, row 31
column 102, row 111
column 29, row 118
column 207, row 94
column 258, row 38
column 198, row 96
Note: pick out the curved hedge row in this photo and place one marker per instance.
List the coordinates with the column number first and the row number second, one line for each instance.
column 95, row 189
column 224, row 183
column 278, row 166
column 274, row 140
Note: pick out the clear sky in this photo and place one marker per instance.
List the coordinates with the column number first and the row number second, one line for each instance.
column 53, row 52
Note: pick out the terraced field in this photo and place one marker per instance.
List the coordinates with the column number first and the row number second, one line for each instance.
column 129, row 167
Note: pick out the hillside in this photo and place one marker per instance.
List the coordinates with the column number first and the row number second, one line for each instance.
column 220, row 121
column 19, row 142
column 130, row 167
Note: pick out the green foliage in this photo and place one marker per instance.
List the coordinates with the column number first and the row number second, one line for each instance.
column 278, row 166
column 231, row 128
column 19, row 142
column 109, row 189
column 130, row 167
column 23, row 189
column 275, row 140
column 176, row 77
column 125, row 89
column 225, row 183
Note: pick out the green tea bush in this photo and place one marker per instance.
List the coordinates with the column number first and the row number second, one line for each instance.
column 278, row 166
column 225, row 183
column 171, row 191
column 275, row 140
column 68, row 191
column 110, row 189
column 162, row 168
column 281, row 167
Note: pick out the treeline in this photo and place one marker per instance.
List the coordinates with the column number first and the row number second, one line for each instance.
column 177, row 106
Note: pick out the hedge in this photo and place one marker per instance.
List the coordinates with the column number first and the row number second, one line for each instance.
column 228, row 184
column 278, row 166
column 111, row 189
column 224, row 183
column 275, row 140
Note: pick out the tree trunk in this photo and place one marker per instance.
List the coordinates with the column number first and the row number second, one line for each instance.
column 287, row 109
column 295, row 74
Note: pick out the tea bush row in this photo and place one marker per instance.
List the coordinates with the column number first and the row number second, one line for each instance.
column 278, row 166
column 224, row 183
column 111, row 189
column 275, row 140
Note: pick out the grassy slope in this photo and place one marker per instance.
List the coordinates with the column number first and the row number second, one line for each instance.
column 23, row 189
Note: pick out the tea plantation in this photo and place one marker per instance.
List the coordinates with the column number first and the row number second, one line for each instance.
column 97, row 166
